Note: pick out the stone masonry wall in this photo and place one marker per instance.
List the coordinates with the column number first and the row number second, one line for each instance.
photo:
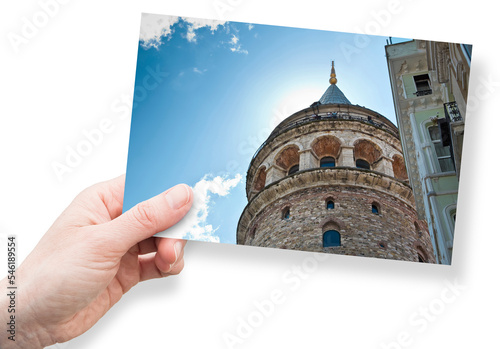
column 392, row 234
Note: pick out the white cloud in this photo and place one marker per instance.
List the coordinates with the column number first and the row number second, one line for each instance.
column 235, row 47
column 194, row 225
column 197, row 23
column 191, row 36
column 196, row 70
column 238, row 49
column 155, row 27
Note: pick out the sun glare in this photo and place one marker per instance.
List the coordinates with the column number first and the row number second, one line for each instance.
column 294, row 102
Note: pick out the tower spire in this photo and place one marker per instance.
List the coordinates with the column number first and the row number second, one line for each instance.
column 333, row 79
column 333, row 95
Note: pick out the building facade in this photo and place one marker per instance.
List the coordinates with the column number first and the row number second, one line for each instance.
column 429, row 82
column 331, row 178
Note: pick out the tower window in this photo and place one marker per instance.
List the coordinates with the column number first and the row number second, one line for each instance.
column 293, row 169
column 375, row 208
column 330, row 205
column 331, row 238
column 423, row 84
column 360, row 163
column 443, row 153
column 327, row 161
column 285, row 214
column 421, row 255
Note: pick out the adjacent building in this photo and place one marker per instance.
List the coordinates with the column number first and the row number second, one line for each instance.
column 429, row 82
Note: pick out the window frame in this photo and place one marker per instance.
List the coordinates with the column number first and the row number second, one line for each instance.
column 327, row 157
column 363, row 168
column 439, row 142
column 422, row 91
column 285, row 213
column 422, row 256
column 330, row 231
column 328, row 201
column 296, row 169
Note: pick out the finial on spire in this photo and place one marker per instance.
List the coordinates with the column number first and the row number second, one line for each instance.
column 333, row 79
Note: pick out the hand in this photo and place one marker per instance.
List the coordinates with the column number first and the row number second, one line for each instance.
column 89, row 258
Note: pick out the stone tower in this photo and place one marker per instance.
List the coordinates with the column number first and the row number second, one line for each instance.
column 331, row 178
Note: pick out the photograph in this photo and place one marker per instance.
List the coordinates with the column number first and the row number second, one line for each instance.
column 301, row 139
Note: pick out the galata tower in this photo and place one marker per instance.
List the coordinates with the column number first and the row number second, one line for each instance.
column 331, row 178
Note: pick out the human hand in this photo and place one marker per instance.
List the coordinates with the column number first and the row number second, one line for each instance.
column 89, row 258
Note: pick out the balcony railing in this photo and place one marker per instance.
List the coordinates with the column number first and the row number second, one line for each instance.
column 452, row 112
column 423, row 93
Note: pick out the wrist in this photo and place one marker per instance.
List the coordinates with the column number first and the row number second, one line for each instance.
column 17, row 326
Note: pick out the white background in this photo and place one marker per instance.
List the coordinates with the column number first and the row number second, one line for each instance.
column 66, row 79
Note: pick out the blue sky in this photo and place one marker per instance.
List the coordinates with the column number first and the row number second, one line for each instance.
column 208, row 93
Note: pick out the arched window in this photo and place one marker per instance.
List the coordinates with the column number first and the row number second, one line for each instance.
column 330, row 205
column 366, row 153
column 375, row 208
column 421, row 255
column 285, row 214
column 326, row 147
column 293, row 169
column 327, row 161
column 360, row 163
column 288, row 160
column 331, row 238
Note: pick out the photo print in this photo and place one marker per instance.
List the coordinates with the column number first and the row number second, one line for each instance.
column 301, row 139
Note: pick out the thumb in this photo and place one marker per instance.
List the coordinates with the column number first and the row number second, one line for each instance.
column 151, row 216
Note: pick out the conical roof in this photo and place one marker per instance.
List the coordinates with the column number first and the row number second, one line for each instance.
column 333, row 95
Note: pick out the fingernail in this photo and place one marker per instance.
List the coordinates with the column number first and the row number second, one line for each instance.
column 177, row 250
column 178, row 196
